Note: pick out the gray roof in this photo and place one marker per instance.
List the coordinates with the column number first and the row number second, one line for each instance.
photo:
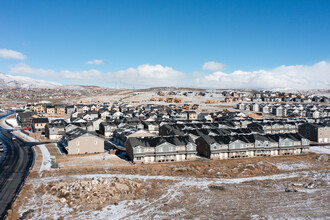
column 78, row 132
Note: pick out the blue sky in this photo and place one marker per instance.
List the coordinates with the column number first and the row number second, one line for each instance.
column 152, row 43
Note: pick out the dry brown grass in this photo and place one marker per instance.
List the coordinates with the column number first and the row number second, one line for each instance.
column 38, row 159
column 149, row 190
column 219, row 168
column 98, row 161
column 53, row 150
column 21, row 199
column 231, row 168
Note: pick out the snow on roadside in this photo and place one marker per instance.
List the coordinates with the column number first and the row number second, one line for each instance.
column 24, row 136
column 46, row 162
column 4, row 125
column 320, row 149
column 12, row 121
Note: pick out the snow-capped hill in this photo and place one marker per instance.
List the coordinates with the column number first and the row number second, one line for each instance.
column 10, row 81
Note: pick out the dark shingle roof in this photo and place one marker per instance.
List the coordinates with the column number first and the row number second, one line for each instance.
column 40, row 120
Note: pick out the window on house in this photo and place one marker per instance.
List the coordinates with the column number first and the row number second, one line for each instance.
column 77, row 143
column 138, row 158
column 95, row 142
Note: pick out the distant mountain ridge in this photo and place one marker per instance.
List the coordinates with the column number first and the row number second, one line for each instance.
column 23, row 82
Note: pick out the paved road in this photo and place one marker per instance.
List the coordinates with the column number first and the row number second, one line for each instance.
column 13, row 169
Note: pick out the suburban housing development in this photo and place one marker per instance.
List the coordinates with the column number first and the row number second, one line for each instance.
column 171, row 134
column 169, row 127
column 177, row 109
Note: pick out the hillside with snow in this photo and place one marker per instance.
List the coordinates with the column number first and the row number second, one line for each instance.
column 10, row 81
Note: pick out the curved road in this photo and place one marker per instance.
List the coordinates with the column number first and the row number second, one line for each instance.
column 13, row 169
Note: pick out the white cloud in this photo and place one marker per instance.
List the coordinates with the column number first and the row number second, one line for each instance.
column 148, row 75
column 11, row 54
column 143, row 76
column 85, row 76
column 24, row 69
column 295, row 76
column 213, row 66
column 96, row 62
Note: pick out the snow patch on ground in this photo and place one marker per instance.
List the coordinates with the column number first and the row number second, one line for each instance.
column 292, row 166
column 320, row 149
column 188, row 181
column 120, row 211
column 46, row 162
column 104, row 156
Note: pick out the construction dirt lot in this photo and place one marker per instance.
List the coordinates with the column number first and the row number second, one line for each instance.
column 105, row 186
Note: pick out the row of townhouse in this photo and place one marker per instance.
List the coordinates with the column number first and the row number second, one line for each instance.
column 51, row 109
column 111, row 128
column 160, row 149
column 288, row 110
column 208, row 128
column 271, row 96
column 275, row 127
column 258, row 126
column 181, row 148
column 56, row 128
column 288, row 99
column 254, row 145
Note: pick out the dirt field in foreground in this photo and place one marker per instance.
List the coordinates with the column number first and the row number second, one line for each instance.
column 186, row 198
column 251, row 188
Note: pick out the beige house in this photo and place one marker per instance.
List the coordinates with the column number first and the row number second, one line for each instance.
column 39, row 124
column 79, row 141
column 317, row 132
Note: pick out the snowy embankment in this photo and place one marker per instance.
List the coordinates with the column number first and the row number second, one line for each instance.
column 189, row 181
column 4, row 125
column 46, row 162
column 320, row 149
column 12, row 121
